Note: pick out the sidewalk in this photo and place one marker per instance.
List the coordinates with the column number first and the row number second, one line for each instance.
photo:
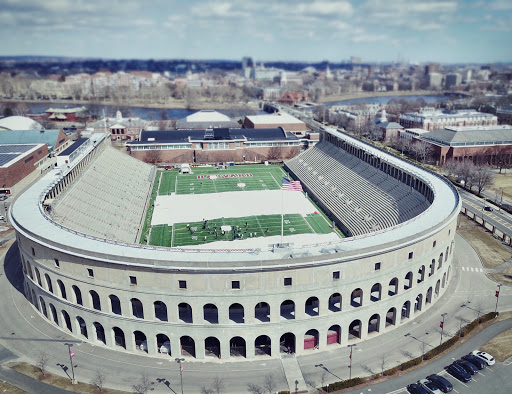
column 28, row 384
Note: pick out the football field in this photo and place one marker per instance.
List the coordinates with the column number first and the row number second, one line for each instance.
column 178, row 220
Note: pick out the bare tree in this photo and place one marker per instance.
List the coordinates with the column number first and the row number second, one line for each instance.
column 482, row 177
column 275, row 153
column 421, row 150
column 269, row 384
column 383, row 361
column 206, row 390
column 191, row 97
column 152, row 156
column 218, row 385
column 98, row 380
column 254, row 389
column 21, row 109
column 142, row 387
column 42, row 362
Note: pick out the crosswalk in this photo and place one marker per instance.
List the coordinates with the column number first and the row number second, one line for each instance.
column 471, row 269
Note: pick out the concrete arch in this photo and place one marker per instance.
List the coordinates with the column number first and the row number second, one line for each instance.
column 66, row 320
column 185, row 313
column 311, row 339
column 287, row 310
column 237, row 347
column 354, row 329
column 391, row 317
column 43, row 307
column 78, row 295
column 211, row 313
column 263, row 346
column 236, row 313
column 376, row 292
column 38, row 277
column 421, row 274
column 406, row 310
column 393, row 287
column 428, row 297
column 163, row 344
column 334, row 334
column 54, row 314
column 374, row 323
column 137, row 308
column 115, row 304
column 335, row 302
column 141, row 341
column 287, row 343
column 212, row 347
column 262, row 312
column 99, row 332
column 356, row 298
column 82, row 327
column 312, row 306
column 188, row 346
column 408, row 281
column 160, row 311
column 119, row 338
column 62, row 289
column 49, row 285
column 95, row 300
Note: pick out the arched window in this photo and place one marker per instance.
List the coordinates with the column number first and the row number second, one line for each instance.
column 236, row 313
column 141, row 342
column 137, row 308
column 311, row 307
column 115, row 304
column 211, row 314
column 393, row 287
column 38, row 277
column 376, row 291
column 119, row 339
column 212, row 347
column 287, row 310
column 408, row 281
column 67, row 320
column 95, row 300
column 237, row 347
column 356, row 298
column 82, row 326
column 48, row 283
column 262, row 346
column 335, row 302
column 78, row 295
column 262, row 312
column 160, row 311
column 188, row 346
column 62, row 289
column 185, row 312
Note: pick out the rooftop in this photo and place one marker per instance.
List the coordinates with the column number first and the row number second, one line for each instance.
column 19, row 123
column 280, row 117
column 471, row 135
column 9, row 154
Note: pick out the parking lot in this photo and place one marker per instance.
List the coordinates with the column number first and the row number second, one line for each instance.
column 491, row 379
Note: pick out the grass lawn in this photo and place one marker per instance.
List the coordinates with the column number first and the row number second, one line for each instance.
column 500, row 346
column 490, row 250
column 257, row 226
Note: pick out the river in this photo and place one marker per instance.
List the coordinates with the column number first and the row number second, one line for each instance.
column 385, row 99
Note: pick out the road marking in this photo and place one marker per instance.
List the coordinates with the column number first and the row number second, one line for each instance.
column 455, row 390
column 490, row 369
column 481, row 373
column 474, row 380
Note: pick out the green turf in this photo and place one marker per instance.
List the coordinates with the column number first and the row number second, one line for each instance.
column 257, row 225
column 263, row 178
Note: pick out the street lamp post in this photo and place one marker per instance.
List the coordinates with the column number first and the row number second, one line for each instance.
column 179, row 361
column 442, row 328
column 497, row 299
column 71, row 355
column 350, row 366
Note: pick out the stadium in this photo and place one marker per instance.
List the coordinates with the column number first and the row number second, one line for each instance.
column 223, row 264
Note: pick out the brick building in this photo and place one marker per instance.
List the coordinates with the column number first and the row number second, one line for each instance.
column 119, row 128
column 78, row 114
column 487, row 144
column 17, row 161
column 215, row 145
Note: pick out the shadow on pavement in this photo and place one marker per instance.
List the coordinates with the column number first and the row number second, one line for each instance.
column 12, row 267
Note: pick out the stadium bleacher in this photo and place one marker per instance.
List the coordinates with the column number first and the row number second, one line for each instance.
column 360, row 196
column 108, row 201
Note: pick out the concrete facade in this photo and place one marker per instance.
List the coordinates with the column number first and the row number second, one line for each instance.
column 235, row 304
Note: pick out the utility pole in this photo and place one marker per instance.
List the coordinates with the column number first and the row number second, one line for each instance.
column 350, row 366
column 71, row 355
column 179, row 361
column 442, row 328
column 497, row 299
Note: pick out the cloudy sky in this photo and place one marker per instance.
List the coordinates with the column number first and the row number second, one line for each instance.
column 314, row 30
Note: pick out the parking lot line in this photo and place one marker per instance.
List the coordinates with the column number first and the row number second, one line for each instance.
column 455, row 390
column 474, row 380
column 490, row 369
column 481, row 373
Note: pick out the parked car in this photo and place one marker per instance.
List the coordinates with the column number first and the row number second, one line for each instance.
column 3, row 197
column 484, row 356
column 476, row 361
column 415, row 388
column 487, row 208
column 429, row 386
column 444, row 384
column 458, row 372
column 469, row 367
column 2, row 218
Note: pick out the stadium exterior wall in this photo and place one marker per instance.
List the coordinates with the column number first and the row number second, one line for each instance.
column 227, row 306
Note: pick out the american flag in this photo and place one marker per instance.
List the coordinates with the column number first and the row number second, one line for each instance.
column 291, row 185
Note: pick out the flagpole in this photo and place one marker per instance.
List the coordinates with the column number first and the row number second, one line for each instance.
column 282, row 214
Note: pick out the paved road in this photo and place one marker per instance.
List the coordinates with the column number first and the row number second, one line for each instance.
column 398, row 384
column 25, row 334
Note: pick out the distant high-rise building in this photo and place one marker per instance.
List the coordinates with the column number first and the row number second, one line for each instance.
column 247, row 65
column 431, row 68
column 435, row 80
column 355, row 60
column 452, row 80
column 467, row 75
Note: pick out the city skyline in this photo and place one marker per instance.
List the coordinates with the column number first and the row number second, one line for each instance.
column 418, row 31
